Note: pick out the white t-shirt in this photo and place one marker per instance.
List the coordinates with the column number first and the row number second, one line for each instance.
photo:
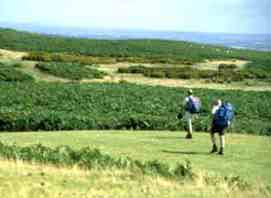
column 215, row 108
column 186, row 100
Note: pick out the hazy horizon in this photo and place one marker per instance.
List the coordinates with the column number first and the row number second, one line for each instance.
column 248, row 41
column 211, row 16
column 24, row 26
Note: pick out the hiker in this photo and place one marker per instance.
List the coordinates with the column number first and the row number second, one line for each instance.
column 192, row 106
column 222, row 116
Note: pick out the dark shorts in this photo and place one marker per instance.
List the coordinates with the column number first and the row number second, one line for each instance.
column 217, row 129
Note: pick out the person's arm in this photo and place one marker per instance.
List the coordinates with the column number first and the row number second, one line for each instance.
column 214, row 109
column 185, row 101
column 229, row 123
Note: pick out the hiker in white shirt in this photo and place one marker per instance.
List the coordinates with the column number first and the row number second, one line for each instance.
column 188, row 114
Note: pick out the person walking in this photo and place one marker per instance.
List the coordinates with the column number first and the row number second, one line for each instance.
column 192, row 106
column 223, row 114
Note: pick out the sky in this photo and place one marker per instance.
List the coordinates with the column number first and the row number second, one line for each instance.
column 227, row 16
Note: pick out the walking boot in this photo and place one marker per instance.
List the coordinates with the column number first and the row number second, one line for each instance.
column 221, row 151
column 188, row 136
column 214, row 149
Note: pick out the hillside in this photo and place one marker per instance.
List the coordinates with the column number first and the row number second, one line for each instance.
column 155, row 50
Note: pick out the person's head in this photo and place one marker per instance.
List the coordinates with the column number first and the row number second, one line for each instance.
column 190, row 92
column 218, row 102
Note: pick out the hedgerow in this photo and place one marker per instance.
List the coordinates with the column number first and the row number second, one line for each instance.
column 225, row 73
column 84, row 59
column 225, row 67
column 72, row 71
column 69, row 106
column 69, row 58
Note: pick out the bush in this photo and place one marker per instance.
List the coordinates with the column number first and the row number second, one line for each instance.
column 92, row 158
column 88, row 158
column 9, row 73
column 71, row 71
column 157, row 74
column 68, row 58
column 137, row 69
column 230, row 67
column 54, row 106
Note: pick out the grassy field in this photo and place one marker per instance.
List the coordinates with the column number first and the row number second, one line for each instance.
column 58, row 100
column 245, row 156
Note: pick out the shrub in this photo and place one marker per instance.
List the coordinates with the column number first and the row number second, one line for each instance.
column 68, row 58
column 88, row 158
column 71, row 71
column 231, row 67
column 137, row 69
column 92, row 158
column 157, row 74
column 11, row 74
column 54, row 106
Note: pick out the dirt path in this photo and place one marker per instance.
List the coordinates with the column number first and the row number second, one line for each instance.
column 12, row 55
column 141, row 80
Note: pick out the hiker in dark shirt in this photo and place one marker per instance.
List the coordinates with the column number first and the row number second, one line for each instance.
column 222, row 116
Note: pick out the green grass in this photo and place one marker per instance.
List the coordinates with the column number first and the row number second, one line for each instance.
column 246, row 156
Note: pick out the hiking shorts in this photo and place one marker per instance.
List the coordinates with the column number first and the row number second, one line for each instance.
column 188, row 116
column 217, row 129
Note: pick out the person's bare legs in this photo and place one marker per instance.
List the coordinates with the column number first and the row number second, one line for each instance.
column 213, row 140
column 188, row 118
column 190, row 129
column 190, row 126
column 222, row 144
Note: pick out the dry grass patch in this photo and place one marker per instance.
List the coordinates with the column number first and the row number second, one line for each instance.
column 213, row 64
column 14, row 55
column 193, row 83
column 24, row 180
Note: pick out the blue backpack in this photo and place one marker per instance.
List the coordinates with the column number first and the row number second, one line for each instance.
column 193, row 105
column 223, row 115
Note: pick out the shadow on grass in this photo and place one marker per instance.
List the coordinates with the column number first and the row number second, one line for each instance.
column 169, row 138
column 186, row 152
